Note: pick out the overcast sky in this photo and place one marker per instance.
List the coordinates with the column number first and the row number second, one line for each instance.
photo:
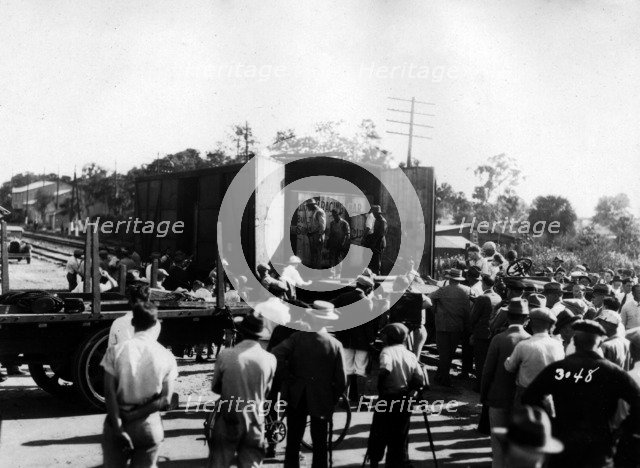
column 554, row 84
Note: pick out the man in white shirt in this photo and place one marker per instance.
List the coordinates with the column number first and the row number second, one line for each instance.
column 532, row 355
column 139, row 380
column 122, row 329
column 107, row 283
column 630, row 312
column 476, row 259
column 291, row 275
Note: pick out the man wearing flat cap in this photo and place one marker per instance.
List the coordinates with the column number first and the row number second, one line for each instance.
column 586, row 389
column 400, row 376
column 498, row 386
column 74, row 268
column 530, row 356
column 615, row 347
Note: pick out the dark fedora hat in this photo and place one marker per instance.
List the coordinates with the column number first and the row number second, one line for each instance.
column 536, row 300
column 375, row 209
column 474, row 272
column 601, row 289
column 518, row 306
column 565, row 318
column 250, row 326
column 530, row 428
column 552, row 286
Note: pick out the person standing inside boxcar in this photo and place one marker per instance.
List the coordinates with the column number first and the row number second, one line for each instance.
column 338, row 242
column 376, row 239
column 315, row 232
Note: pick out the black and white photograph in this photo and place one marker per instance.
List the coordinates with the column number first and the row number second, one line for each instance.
column 303, row 234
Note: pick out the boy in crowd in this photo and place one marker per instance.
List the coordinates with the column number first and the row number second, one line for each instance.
column 400, row 377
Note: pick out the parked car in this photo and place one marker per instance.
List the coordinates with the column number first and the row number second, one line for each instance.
column 17, row 248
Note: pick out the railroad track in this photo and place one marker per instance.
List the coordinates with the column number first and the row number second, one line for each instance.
column 55, row 248
column 56, row 240
column 48, row 254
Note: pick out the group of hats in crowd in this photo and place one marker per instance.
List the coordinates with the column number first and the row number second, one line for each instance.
column 534, row 307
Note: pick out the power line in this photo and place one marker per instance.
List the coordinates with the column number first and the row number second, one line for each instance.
column 412, row 113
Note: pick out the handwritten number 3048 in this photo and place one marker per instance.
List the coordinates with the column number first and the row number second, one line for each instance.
column 561, row 374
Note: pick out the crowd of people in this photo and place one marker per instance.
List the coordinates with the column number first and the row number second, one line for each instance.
column 555, row 360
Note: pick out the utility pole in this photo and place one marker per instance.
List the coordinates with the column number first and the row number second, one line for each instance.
column 55, row 212
column 246, row 141
column 411, row 123
column 26, row 201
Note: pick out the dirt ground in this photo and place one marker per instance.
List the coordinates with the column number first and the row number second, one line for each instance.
column 39, row 274
column 38, row 430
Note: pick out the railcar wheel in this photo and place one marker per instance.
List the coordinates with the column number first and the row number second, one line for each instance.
column 89, row 375
column 52, row 379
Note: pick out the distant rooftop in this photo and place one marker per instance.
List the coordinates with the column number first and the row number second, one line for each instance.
column 32, row 186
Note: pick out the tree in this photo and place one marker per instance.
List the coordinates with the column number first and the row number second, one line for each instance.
column 218, row 157
column 495, row 196
column 284, row 135
column 499, row 176
column 452, row 204
column 552, row 208
column 243, row 136
column 95, row 186
column 328, row 137
column 42, row 201
column 627, row 232
column 610, row 209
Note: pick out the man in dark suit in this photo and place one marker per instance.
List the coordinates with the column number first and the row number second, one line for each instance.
column 357, row 341
column 315, row 381
column 497, row 386
column 586, row 389
column 376, row 238
column 481, row 313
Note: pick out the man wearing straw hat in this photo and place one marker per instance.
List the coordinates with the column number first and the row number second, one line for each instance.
column 316, row 379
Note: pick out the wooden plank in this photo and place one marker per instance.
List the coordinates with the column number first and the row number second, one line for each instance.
column 87, row 262
column 5, row 258
column 154, row 274
column 8, row 318
column 122, row 279
column 95, row 273
column 220, row 284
